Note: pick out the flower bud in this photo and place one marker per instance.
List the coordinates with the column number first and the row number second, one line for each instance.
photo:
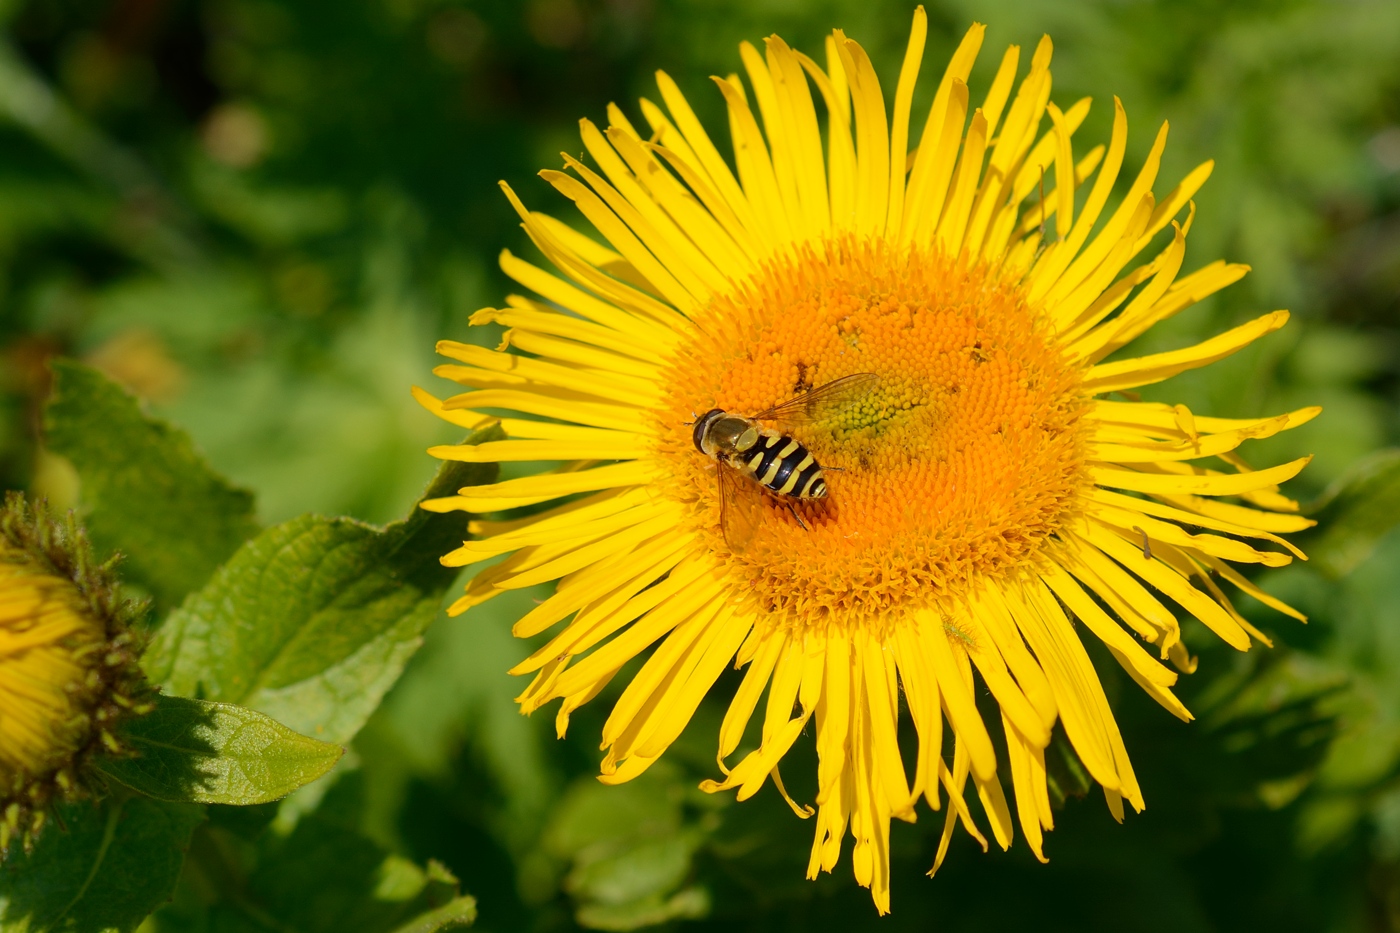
column 68, row 666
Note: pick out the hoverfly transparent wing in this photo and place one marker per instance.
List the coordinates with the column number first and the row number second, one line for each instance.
column 822, row 402
column 740, row 506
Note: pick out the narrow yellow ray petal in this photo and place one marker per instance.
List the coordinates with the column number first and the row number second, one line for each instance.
column 625, row 448
column 658, row 271
column 1229, row 573
column 956, row 696
column 755, row 166
column 872, row 137
column 569, row 296
column 736, row 718
column 563, row 404
column 841, row 151
column 778, row 134
column 633, row 202
column 1064, row 174
column 1108, row 237
column 579, row 557
column 880, row 706
column 899, row 132
column 1220, row 484
column 1210, row 445
column 619, row 608
column 997, row 621
column 1170, row 583
column 1022, row 779
column 609, row 386
column 642, row 633
column 982, row 651
column 928, row 188
column 1129, row 374
column 576, row 353
column 1179, row 197
column 1142, row 667
column 569, row 261
column 707, row 156
column 795, row 99
column 1150, row 531
column 953, row 224
column 527, row 314
column 937, row 135
column 1057, row 647
column 694, row 213
column 681, row 701
column 671, row 662
column 593, row 252
column 1149, row 507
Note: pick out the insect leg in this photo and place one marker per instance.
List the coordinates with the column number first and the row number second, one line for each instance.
column 793, row 512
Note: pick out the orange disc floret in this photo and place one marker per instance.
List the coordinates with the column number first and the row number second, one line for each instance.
column 967, row 456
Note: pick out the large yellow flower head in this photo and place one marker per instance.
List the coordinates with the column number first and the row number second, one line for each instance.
column 68, row 666
column 985, row 492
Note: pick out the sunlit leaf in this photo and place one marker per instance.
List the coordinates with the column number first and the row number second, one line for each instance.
column 313, row 620
column 203, row 752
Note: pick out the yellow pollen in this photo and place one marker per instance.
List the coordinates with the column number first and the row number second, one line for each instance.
column 963, row 460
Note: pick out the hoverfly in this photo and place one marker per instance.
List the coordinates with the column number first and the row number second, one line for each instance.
column 750, row 457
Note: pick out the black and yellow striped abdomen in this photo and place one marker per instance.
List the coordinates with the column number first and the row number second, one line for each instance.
column 782, row 465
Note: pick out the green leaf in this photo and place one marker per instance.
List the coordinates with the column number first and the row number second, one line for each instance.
column 309, row 871
column 313, row 620
column 1354, row 514
column 108, row 868
column 460, row 912
column 197, row 751
column 630, row 851
column 689, row 904
column 145, row 490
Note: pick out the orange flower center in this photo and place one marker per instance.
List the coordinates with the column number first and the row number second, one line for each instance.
column 959, row 464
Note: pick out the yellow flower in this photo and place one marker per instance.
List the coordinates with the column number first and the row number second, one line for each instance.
column 68, row 670
column 983, row 496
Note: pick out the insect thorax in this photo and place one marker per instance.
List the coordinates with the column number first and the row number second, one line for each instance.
column 719, row 433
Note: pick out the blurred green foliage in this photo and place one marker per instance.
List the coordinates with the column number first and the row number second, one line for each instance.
column 258, row 215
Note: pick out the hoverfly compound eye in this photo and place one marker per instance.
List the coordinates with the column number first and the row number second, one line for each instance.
column 702, row 424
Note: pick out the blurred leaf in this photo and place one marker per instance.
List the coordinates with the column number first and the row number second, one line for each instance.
column 327, row 877
column 1356, row 512
column 203, row 752
column 110, row 866
column 630, row 852
column 310, row 871
column 690, row 904
column 146, row 491
column 459, row 912
column 634, row 872
column 313, row 620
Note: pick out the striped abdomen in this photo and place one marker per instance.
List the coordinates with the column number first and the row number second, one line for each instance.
column 782, row 465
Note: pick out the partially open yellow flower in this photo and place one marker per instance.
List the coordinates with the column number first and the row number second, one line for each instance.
column 68, row 669
column 985, row 495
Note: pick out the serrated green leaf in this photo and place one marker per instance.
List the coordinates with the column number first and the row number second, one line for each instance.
column 198, row 751
column 460, row 912
column 145, row 490
column 1355, row 513
column 110, row 866
column 313, row 620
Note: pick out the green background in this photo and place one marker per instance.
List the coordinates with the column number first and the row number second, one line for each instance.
column 260, row 215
